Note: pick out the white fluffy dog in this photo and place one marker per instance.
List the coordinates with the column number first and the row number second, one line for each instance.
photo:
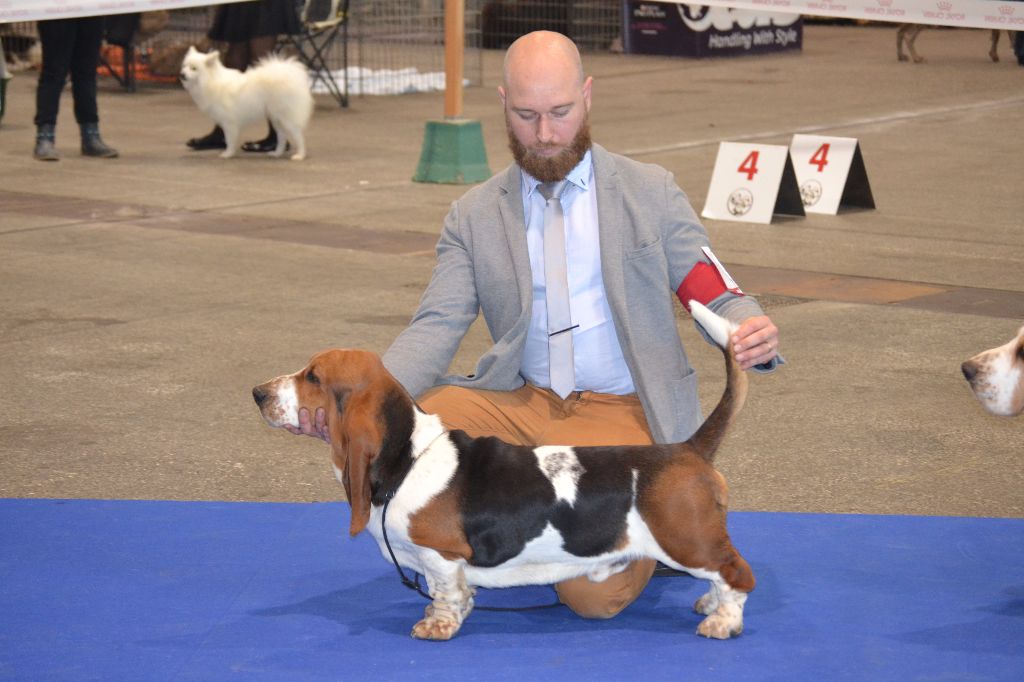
column 275, row 88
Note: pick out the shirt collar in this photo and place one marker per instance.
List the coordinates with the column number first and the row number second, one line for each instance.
column 580, row 175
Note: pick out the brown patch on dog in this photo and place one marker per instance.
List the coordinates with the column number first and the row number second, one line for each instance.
column 685, row 508
column 437, row 526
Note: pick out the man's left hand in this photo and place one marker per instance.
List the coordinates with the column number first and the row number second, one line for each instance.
column 755, row 342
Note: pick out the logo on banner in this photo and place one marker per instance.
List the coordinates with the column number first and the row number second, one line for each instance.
column 945, row 12
column 1005, row 16
column 885, row 9
column 730, row 30
column 702, row 17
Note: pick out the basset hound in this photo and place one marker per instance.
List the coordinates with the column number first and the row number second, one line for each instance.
column 467, row 512
column 997, row 377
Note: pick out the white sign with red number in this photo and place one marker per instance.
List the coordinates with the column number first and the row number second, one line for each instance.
column 830, row 173
column 750, row 183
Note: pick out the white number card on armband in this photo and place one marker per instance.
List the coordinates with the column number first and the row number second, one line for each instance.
column 830, row 173
column 751, row 183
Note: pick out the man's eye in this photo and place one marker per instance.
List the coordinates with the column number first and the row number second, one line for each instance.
column 311, row 378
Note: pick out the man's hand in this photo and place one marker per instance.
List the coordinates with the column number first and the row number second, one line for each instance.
column 316, row 428
column 755, row 342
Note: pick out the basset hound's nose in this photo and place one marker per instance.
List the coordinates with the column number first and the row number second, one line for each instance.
column 969, row 369
column 259, row 395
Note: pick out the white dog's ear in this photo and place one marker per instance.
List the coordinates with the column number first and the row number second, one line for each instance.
column 212, row 57
column 191, row 51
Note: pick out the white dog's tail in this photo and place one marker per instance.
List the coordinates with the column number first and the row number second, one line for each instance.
column 707, row 438
column 291, row 89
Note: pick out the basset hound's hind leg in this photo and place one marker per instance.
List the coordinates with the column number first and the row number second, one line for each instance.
column 723, row 604
column 452, row 602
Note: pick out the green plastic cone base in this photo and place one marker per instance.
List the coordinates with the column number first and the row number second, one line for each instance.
column 453, row 153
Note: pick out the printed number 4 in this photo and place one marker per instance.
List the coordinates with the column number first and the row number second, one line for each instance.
column 820, row 157
column 749, row 166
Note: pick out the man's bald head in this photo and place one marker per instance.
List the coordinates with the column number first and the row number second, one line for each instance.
column 542, row 52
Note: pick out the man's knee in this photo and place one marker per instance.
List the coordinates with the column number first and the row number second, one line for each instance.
column 608, row 598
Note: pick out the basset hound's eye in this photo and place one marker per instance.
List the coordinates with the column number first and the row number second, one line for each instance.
column 311, row 377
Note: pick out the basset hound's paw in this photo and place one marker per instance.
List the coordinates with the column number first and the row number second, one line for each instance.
column 435, row 628
column 718, row 626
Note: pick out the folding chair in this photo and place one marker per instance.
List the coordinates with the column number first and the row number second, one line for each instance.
column 119, row 31
column 323, row 23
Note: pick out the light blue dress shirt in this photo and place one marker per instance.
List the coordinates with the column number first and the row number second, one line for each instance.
column 598, row 359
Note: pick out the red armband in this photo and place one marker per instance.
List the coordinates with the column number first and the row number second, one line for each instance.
column 706, row 282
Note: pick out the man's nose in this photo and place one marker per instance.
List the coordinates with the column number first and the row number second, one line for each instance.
column 545, row 132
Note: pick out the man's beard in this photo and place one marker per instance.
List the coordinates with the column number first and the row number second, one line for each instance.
column 551, row 168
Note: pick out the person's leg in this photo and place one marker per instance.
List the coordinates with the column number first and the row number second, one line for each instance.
column 513, row 416
column 85, row 57
column 56, row 37
column 84, row 61
column 260, row 47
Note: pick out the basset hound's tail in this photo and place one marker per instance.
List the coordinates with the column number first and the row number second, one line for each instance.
column 708, row 437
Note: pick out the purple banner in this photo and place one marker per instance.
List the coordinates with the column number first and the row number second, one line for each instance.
column 703, row 31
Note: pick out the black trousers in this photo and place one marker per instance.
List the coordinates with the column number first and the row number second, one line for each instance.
column 69, row 46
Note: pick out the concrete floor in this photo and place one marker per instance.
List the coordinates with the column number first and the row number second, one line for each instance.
column 141, row 298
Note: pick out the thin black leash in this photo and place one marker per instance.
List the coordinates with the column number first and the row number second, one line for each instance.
column 415, row 584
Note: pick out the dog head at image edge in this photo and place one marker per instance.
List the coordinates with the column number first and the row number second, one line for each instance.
column 997, row 377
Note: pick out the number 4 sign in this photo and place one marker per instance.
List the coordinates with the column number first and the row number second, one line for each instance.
column 751, row 183
column 830, row 172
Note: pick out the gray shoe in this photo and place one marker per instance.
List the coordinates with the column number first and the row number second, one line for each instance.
column 45, row 149
column 93, row 144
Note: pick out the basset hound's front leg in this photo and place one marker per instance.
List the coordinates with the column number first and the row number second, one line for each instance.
column 453, row 600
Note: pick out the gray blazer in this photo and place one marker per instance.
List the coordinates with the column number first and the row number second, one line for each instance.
column 650, row 239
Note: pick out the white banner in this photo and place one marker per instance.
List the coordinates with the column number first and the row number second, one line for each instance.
column 963, row 13
column 33, row 10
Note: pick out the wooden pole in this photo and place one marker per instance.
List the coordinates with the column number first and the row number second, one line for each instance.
column 454, row 53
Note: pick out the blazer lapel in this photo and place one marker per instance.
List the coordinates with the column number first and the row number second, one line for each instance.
column 510, row 206
column 611, row 222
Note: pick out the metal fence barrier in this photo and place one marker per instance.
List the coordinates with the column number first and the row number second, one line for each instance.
column 390, row 41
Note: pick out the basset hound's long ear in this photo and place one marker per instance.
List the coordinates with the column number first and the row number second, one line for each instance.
column 356, row 438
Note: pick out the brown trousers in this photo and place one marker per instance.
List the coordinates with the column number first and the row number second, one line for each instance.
column 537, row 416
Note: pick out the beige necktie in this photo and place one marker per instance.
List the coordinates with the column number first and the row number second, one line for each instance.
column 556, row 287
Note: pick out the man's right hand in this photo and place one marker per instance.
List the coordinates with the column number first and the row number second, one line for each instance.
column 317, row 427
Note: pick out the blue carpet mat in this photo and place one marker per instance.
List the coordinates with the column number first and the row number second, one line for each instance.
column 113, row 590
